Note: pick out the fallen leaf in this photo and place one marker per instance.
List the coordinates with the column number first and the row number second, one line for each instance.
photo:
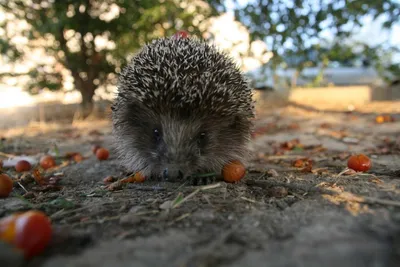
column 38, row 177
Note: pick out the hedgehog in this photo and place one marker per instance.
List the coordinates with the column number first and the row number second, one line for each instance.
column 182, row 107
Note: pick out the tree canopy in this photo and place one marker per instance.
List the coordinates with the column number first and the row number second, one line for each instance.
column 91, row 39
column 295, row 27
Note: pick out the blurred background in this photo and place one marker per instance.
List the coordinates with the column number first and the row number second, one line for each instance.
column 59, row 60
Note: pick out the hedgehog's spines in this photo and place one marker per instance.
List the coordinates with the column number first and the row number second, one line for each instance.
column 187, row 72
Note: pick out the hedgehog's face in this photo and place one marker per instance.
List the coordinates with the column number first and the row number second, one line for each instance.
column 174, row 147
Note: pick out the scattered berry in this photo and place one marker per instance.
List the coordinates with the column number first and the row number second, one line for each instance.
column 47, row 162
column 360, row 163
column 384, row 118
column 139, row 178
column 29, row 231
column 77, row 157
column 379, row 119
column 23, row 166
column 6, row 185
column 102, row 153
column 135, row 178
column 233, row 171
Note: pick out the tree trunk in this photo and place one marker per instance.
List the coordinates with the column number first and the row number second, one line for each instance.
column 86, row 106
column 86, row 88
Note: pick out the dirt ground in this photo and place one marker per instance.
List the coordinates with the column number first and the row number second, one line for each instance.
column 283, row 213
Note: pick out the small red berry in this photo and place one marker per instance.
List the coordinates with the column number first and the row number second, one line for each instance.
column 102, row 153
column 23, row 166
column 181, row 34
column 360, row 163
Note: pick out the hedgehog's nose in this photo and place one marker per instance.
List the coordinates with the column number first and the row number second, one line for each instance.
column 171, row 174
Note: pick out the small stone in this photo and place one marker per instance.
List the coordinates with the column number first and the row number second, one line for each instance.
column 166, row 205
column 278, row 191
column 272, row 173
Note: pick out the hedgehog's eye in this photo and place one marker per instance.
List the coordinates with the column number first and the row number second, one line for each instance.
column 157, row 134
column 201, row 140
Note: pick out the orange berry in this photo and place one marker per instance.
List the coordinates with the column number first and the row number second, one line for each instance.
column 379, row 119
column 102, row 153
column 30, row 231
column 233, row 171
column 139, row 178
column 47, row 162
column 23, row 166
column 7, row 228
column 360, row 163
column 77, row 157
column 6, row 185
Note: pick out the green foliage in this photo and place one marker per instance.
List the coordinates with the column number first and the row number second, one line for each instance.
column 292, row 28
column 67, row 31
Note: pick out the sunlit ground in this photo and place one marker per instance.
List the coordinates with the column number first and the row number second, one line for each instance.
column 343, row 99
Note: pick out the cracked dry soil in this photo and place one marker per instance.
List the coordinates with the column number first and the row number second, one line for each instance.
column 278, row 215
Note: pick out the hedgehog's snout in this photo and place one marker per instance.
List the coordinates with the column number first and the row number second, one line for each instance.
column 172, row 173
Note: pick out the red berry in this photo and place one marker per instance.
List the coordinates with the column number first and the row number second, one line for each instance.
column 47, row 162
column 23, row 166
column 360, row 163
column 33, row 232
column 6, row 185
column 29, row 231
column 102, row 153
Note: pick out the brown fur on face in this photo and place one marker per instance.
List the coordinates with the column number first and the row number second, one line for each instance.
column 182, row 143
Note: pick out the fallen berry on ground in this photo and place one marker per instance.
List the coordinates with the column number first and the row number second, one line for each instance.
column 102, row 154
column 360, row 163
column 77, row 157
column 30, row 231
column 6, row 185
column 47, row 162
column 233, row 171
column 23, row 166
